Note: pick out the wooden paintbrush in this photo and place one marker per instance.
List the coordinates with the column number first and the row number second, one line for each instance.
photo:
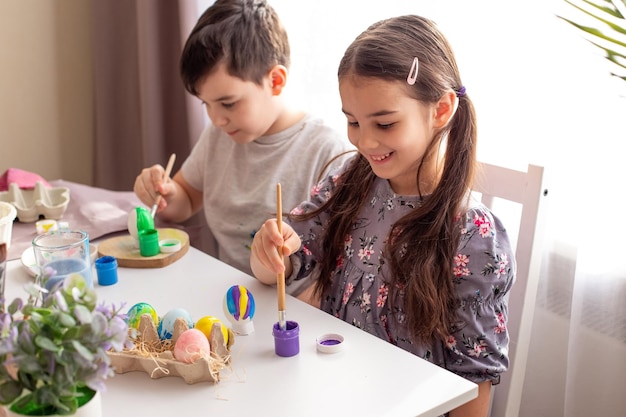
column 280, row 283
column 166, row 175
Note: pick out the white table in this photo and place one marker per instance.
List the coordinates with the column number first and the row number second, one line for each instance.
column 370, row 377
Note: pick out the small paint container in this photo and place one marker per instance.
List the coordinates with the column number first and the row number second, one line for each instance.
column 106, row 268
column 169, row 245
column 287, row 342
column 330, row 343
column 149, row 242
column 139, row 219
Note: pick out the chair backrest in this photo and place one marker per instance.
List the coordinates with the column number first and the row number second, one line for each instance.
column 520, row 196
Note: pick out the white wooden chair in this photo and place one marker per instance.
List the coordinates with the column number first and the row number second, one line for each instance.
column 516, row 197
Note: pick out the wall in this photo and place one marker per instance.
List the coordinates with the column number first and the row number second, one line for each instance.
column 46, row 118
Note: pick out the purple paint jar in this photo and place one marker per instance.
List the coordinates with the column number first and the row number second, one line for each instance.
column 287, row 342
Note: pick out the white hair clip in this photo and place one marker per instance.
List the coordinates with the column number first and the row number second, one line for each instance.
column 412, row 77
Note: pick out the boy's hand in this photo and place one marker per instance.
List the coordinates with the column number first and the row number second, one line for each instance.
column 151, row 182
column 267, row 243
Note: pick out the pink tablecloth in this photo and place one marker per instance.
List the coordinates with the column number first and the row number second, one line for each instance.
column 97, row 211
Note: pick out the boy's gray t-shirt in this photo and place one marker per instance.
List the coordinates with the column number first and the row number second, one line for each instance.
column 238, row 181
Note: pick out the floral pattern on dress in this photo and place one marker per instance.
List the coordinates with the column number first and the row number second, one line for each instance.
column 483, row 273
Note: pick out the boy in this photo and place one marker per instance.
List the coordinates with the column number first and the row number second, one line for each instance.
column 236, row 62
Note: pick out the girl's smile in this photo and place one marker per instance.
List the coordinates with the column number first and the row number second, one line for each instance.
column 380, row 158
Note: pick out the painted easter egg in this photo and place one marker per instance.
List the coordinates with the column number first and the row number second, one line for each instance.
column 166, row 325
column 205, row 324
column 136, row 311
column 239, row 308
column 192, row 345
column 139, row 219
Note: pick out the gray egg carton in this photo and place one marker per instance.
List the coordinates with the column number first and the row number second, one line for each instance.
column 31, row 205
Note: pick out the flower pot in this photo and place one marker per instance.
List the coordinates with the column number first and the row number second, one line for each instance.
column 93, row 408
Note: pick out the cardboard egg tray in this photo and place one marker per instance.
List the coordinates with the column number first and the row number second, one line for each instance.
column 156, row 358
column 50, row 203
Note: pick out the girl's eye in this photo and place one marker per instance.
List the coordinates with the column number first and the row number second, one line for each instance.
column 353, row 124
column 385, row 126
column 228, row 105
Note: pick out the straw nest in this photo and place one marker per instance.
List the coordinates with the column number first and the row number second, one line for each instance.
column 155, row 357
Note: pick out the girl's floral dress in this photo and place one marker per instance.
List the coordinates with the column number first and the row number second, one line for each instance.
column 484, row 271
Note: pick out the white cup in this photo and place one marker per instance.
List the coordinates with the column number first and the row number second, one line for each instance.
column 8, row 213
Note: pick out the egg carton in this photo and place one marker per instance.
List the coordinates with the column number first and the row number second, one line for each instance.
column 161, row 362
column 49, row 202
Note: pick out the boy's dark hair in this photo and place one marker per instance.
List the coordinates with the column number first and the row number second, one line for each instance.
column 246, row 35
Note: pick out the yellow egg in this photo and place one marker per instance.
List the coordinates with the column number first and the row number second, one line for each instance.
column 206, row 323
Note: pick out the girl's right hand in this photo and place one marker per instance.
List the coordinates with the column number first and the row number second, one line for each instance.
column 266, row 246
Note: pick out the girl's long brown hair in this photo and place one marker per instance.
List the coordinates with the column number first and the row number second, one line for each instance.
column 422, row 244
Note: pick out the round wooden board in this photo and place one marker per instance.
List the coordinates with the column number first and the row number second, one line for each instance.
column 123, row 249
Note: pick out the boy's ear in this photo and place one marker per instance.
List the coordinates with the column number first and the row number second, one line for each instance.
column 278, row 78
column 445, row 109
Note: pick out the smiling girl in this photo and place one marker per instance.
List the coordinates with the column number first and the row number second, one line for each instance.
column 393, row 242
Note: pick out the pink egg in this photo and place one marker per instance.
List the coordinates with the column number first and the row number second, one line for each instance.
column 191, row 345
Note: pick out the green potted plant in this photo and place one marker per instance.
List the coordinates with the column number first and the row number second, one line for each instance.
column 53, row 349
column 609, row 34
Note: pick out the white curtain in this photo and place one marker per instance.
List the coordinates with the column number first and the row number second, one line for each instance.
column 543, row 95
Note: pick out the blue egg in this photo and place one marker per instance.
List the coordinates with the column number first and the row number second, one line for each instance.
column 166, row 325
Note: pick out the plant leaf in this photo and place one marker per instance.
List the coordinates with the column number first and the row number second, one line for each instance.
column 66, row 320
column 617, row 24
column 9, row 391
column 82, row 314
column 82, row 350
column 45, row 343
